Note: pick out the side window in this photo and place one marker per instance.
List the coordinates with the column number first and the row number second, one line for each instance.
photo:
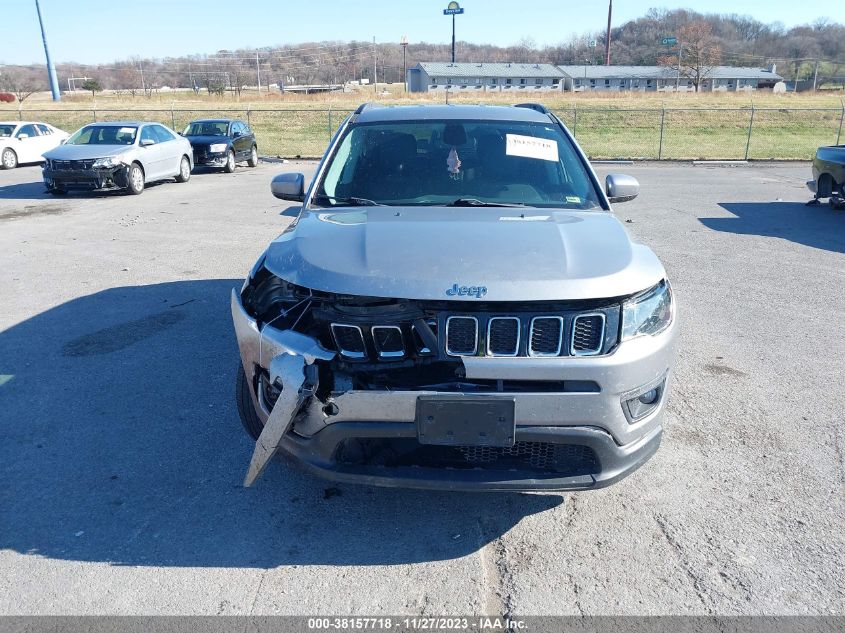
column 148, row 134
column 162, row 134
column 45, row 131
column 29, row 130
column 237, row 128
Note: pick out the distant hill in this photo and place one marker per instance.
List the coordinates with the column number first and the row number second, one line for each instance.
column 734, row 39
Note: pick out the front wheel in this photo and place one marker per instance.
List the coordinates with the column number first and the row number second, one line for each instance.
column 230, row 162
column 243, row 397
column 253, row 157
column 9, row 160
column 136, row 179
column 184, row 174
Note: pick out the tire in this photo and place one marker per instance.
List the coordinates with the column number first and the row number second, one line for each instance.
column 825, row 186
column 243, row 397
column 253, row 157
column 135, row 179
column 9, row 160
column 230, row 162
column 184, row 174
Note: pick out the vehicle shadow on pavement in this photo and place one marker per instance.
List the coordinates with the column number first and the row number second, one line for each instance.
column 120, row 443
column 817, row 226
column 25, row 191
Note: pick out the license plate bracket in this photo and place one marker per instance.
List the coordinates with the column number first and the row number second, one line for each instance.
column 468, row 421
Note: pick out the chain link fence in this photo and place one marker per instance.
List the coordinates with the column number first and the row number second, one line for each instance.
column 636, row 134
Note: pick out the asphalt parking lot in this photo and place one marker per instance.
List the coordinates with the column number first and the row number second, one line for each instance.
column 122, row 456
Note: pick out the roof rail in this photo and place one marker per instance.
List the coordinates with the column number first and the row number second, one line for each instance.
column 364, row 106
column 538, row 107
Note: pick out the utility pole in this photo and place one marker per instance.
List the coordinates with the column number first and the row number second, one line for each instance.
column 816, row 76
column 141, row 70
column 51, row 70
column 375, row 67
column 404, row 44
column 607, row 38
column 258, row 73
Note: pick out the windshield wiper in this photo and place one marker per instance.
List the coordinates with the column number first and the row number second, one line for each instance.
column 475, row 202
column 352, row 201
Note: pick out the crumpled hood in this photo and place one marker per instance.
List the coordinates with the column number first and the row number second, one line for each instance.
column 494, row 254
column 84, row 152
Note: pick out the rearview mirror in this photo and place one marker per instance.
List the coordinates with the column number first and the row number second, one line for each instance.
column 146, row 142
column 289, row 186
column 621, row 187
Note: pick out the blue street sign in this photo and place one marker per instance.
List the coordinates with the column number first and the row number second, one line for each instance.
column 668, row 41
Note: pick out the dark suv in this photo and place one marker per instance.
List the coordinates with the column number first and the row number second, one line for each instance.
column 222, row 143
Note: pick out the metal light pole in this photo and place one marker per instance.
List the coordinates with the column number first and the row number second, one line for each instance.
column 453, row 9
column 51, row 70
column 404, row 44
column 607, row 39
column 375, row 67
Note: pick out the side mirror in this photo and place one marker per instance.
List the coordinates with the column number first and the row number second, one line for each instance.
column 146, row 142
column 22, row 136
column 236, row 134
column 289, row 186
column 621, row 187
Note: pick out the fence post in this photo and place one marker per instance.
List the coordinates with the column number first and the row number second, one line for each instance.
column 750, row 126
column 330, row 124
column 20, row 114
column 575, row 121
column 94, row 112
column 248, row 118
column 841, row 119
column 662, row 120
column 172, row 117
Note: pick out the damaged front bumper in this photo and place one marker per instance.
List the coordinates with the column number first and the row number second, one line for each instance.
column 562, row 441
column 209, row 159
column 87, row 179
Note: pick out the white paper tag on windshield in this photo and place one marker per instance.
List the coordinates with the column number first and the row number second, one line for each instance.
column 531, row 147
column 126, row 130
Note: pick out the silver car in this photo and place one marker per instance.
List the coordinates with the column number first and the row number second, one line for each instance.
column 118, row 155
column 456, row 307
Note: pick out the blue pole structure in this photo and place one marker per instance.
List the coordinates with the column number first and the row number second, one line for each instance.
column 51, row 70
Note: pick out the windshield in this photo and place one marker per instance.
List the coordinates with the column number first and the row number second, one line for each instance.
column 452, row 162
column 103, row 135
column 6, row 129
column 206, row 128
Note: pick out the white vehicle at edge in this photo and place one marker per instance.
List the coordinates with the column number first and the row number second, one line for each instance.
column 26, row 141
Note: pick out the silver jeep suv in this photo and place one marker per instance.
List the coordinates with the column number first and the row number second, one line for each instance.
column 455, row 307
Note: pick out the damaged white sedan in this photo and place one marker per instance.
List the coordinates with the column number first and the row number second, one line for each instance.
column 455, row 307
column 117, row 155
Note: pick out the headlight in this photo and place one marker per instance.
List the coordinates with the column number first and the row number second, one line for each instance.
column 108, row 162
column 217, row 148
column 649, row 313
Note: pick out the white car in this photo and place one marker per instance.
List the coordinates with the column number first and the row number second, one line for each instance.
column 26, row 142
column 118, row 155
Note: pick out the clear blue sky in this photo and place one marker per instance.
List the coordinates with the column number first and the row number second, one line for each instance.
column 94, row 31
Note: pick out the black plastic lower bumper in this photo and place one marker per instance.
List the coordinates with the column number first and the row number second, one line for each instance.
column 210, row 160
column 318, row 455
column 86, row 178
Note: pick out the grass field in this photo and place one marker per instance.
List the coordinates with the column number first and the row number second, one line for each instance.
column 613, row 125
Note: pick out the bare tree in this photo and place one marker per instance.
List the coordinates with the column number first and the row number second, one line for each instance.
column 19, row 82
column 700, row 53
